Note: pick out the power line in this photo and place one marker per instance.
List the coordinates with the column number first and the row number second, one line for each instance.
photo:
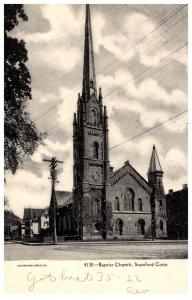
column 167, row 41
column 140, row 134
column 52, row 107
column 70, row 118
column 132, row 80
column 145, row 37
column 147, row 130
column 161, row 45
column 148, row 69
column 162, row 22
column 62, row 123
column 167, row 29
column 49, row 109
column 161, row 67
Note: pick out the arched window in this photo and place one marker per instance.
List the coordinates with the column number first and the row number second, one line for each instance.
column 96, row 206
column 140, row 205
column 129, row 199
column 141, row 226
column 160, row 206
column 98, row 226
column 93, row 117
column 161, row 225
column 95, row 150
column 117, row 206
column 91, row 82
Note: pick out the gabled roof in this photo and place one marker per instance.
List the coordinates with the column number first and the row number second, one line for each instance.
column 63, row 198
column 154, row 165
column 127, row 169
column 10, row 218
column 44, row 211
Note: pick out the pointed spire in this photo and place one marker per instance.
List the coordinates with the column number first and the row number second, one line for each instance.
column 154, row 165
column 89, row 78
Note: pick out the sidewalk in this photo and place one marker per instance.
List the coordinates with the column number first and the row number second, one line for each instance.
column 99, row 242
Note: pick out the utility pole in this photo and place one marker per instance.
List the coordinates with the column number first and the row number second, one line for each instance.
column 153, row 215
column 53, row 176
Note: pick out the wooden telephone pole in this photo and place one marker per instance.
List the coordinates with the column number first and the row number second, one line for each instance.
column 153, row 219
column 53, row 176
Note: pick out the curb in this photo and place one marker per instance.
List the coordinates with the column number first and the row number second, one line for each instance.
column 128, row 242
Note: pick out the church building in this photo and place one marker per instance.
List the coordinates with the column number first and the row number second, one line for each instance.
column 107, row 203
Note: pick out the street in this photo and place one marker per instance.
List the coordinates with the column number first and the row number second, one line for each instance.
column 71, row 250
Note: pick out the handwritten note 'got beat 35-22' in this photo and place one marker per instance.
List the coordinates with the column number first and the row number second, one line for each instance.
column 132, row 277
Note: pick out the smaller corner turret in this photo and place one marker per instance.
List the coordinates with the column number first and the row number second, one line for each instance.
column 155, row 172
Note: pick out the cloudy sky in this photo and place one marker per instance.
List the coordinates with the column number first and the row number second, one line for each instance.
column 141, row 65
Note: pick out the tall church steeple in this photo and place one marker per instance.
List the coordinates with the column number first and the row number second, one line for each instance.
column 89, row 77
column 90, row 148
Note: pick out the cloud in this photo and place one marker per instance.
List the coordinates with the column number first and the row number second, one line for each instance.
column 41, row 153
column 139, row 37
column 150, row 118
column 98, row 25
column 137, row 148
column 136, row 26
column 122, row 43
column 175, row 168
column 148, row 98
column 31, row 191
column 64, row 23
column 48, row 150
column 56, row 59
column 178, row 125
column 175, row 184
column 52, row 47
column 34, row 191
column 43, row 97
column 148, row 89
column 175, row 158
column 67, row 108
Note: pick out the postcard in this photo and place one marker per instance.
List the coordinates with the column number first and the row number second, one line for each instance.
column 95, row 142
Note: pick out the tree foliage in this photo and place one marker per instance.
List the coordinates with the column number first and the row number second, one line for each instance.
column 21, row 136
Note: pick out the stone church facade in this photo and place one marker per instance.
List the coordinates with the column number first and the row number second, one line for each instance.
column 107, row 203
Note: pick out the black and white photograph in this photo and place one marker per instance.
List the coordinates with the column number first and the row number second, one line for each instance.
column 95, row 132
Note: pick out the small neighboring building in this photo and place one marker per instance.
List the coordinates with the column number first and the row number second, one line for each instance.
column 177, row 213
column 36, row 220
column 12, row 226
column 44, row 220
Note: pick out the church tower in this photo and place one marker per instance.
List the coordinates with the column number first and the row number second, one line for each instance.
column 158, row 201
column 90, row 150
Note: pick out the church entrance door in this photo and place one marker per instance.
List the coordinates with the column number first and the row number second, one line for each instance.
column 141, row 226
column 119, row 227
